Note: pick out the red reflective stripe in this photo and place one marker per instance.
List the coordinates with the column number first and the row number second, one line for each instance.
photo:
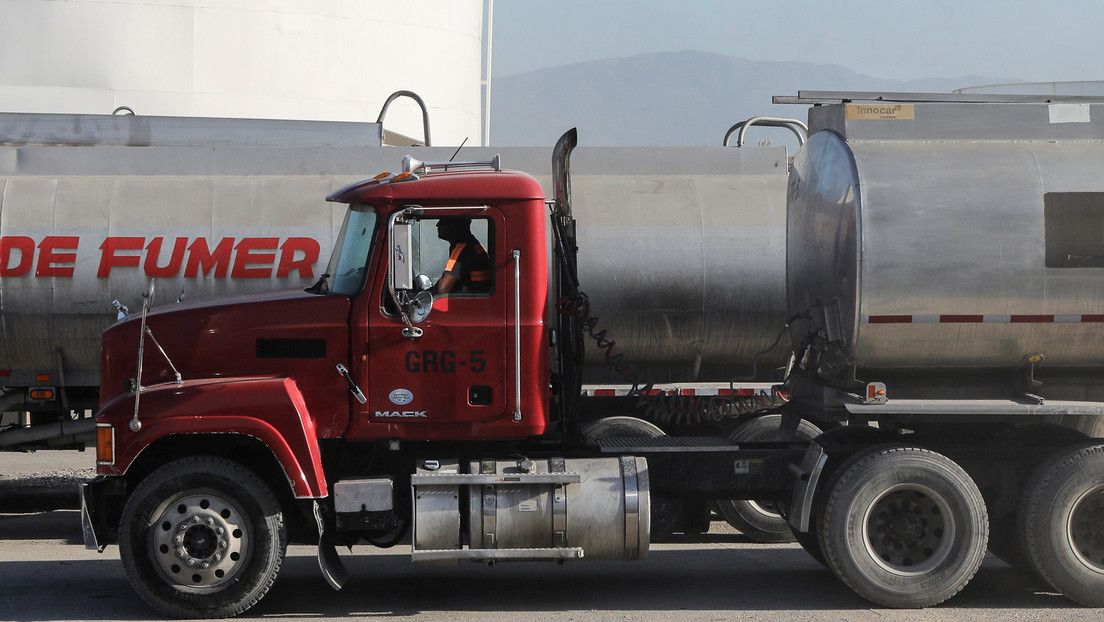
column 890, row 319
column 605, row 392
column 961, row 319
column 5, row 372
column 1032, row 319
column 982, row 319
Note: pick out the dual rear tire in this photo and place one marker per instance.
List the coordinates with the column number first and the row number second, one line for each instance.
column 907, row 527
column 1061, row 524
column 903, row 527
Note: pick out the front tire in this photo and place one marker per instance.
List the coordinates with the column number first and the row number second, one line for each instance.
column 202, row 537
column 904, row 527
column 1062, row 524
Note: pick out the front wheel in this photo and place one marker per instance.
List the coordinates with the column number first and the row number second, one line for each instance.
column 1061, row 524
column 202, row 537
column 904, row 527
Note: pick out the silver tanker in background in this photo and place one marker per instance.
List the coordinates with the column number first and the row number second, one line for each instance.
column 951, row 247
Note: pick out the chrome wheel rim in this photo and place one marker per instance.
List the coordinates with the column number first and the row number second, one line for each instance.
column 200, row 541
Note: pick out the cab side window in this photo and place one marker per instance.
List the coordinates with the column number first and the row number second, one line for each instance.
column 455, row 253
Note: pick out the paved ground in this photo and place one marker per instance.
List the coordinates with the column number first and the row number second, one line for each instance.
column 43, row 480
column 46, row 574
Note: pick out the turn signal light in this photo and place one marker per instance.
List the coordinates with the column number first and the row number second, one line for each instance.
column 105, row 444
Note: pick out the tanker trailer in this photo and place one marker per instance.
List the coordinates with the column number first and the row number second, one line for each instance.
column 945, row 285
column 683, row 245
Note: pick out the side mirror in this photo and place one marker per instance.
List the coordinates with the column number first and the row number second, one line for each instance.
column 422, row 283
column 414, row 306
column 419, row 306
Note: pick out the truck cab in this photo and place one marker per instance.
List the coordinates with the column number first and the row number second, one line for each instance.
column 467, row 364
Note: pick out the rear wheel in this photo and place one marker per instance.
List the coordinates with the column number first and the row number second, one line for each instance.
column 610, row 427
column 904, row 527
column 202, row 537
column 1062, row 524
column 760, row 520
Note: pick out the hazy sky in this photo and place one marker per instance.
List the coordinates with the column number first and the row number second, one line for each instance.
column 1013, row 40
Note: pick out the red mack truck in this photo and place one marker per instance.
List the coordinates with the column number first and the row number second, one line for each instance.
column 944, row 324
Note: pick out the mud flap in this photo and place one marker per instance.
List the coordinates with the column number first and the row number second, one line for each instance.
column 807, row 476
column 88, row 522
column 333, row 569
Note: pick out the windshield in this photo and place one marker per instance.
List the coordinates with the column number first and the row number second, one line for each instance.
column 350, row 256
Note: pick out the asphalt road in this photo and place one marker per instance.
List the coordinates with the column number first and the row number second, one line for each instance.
column 47, row 574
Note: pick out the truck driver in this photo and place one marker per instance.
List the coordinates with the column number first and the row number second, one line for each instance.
column 468, row 269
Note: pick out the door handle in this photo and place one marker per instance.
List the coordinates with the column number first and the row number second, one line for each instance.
column 353, row 388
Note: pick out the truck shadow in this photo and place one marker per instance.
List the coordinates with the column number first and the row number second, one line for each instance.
column 768, row 578
column 725, row 575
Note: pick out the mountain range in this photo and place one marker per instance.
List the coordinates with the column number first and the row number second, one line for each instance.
column 683, row 98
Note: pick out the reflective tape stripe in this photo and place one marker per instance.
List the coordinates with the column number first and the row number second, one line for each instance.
column 454, row 256
column 981, row 319
column 623, row 391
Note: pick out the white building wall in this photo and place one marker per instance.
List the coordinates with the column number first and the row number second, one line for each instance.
column 334, row 60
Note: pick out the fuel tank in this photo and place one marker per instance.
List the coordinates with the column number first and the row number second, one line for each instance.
column 942, row 236
column 681, row 249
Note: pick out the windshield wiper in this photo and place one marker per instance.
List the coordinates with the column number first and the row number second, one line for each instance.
column 322, row 286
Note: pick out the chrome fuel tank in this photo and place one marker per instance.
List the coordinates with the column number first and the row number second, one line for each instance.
column 681, row 249
column 940, row 235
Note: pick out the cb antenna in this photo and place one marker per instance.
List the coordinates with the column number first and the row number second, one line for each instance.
column 457, row 152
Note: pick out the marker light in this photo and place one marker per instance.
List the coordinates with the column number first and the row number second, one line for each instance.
column 42, row 394
column 105, row 444
column 875, row 393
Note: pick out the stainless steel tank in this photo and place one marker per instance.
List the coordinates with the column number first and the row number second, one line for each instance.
column 682, row 252
column 951, row 235
column 681, row 249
